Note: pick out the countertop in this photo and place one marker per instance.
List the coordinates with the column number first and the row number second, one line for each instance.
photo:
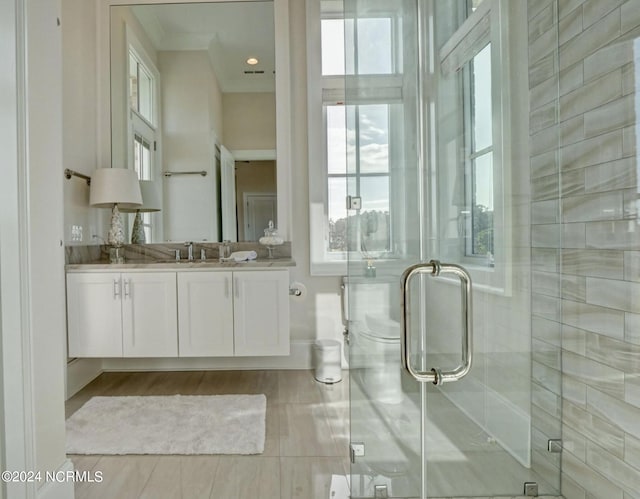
column 260, row 264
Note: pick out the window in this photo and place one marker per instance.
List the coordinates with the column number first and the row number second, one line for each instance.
column 357, row 137
column 478, row 106
column 141, row 88
column 364, row 139
column 142, row 157
column 142, row 164
column 143, row 122
column 372, row 55
column 478, row 137
column 361, row 128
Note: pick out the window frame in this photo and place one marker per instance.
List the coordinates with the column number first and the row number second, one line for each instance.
column 492, row 21
column 471, row 155
column 147, row 130
column 358, row 176
column 151, row 72
column 330, row 90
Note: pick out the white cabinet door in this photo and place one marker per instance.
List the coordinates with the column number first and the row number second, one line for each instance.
column 205, row 314
column 94, row 315
column 149, row 315
column 261, row 312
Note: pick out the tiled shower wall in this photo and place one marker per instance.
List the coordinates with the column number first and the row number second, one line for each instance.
column 586, row 240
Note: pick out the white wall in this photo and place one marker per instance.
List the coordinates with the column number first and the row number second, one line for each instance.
column 249, row 120
column 79, row 137
column 191, row 98
column 319, row 315
column 191, row 107
column 79, row 119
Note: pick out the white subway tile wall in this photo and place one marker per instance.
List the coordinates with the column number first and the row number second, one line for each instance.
column 586, row 240
column 546, row 229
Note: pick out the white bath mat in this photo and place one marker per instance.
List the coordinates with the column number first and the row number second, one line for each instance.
column 177, row 424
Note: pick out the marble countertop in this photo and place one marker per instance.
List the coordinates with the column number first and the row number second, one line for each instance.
column 263, row 263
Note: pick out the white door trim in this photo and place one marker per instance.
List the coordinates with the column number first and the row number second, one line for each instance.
column 18, row 426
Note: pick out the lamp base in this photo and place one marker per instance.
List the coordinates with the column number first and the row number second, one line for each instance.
column 137, row 233
column 116, row 231
column 116, row 254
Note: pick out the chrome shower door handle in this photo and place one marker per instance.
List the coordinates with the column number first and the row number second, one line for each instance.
column 436, row 375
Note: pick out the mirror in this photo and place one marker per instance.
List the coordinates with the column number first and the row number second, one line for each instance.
column 192, row 112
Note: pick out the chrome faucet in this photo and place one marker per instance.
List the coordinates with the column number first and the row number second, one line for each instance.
column 189, row 246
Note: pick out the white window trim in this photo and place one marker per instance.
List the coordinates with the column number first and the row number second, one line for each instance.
column 507, row 43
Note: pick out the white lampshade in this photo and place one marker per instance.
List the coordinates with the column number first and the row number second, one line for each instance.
column 150, row 198
column 111, row 186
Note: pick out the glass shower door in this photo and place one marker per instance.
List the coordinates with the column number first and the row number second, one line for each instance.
column 384, row 236
column 438, row 169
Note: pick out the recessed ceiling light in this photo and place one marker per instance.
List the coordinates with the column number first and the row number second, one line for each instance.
column 252, row 60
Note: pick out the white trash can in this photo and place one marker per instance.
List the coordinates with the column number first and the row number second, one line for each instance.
column 327, row 358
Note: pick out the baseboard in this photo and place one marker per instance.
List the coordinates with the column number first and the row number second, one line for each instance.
column 300, row 358
column 81, row 372
column 60, row 485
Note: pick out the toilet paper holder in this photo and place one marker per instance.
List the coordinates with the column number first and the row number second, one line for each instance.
column 297, row 290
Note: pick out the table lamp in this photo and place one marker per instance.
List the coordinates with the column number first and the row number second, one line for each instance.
column 113, row 188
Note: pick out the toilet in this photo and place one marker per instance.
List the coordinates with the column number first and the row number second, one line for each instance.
column 375, row 336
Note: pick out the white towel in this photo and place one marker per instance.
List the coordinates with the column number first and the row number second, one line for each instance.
column 243, row 256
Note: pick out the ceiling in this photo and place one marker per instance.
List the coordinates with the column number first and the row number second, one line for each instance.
column 231, row 32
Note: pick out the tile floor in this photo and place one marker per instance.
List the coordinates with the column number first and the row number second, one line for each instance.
column 462, row 461
column 306, row 444
column 306, row 440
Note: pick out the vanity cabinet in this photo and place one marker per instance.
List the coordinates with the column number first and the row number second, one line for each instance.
column 205, row 314
column 122, row 314
column 94, row 315
column 261, row 313
column 149, row 316
column 240, row 313
column 200, row 313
